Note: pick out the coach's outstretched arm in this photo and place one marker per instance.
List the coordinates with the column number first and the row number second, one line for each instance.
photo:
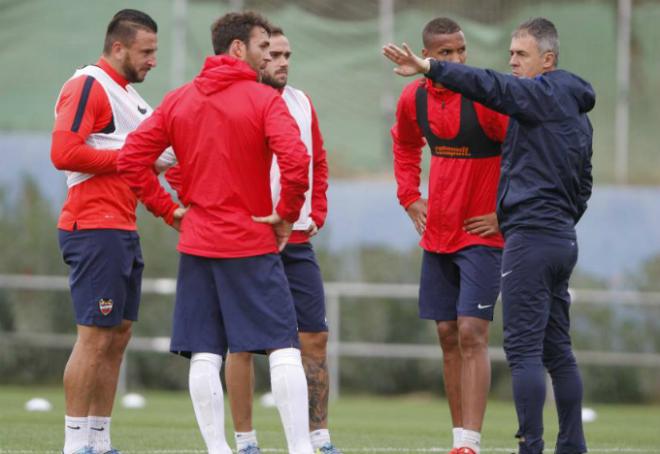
column 527, row 100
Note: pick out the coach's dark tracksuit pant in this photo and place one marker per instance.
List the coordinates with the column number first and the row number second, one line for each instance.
column 536, row 267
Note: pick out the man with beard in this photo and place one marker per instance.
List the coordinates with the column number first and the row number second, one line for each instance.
column 96, row 109
column 232, row 293
column 301, row 268
column 543, row 192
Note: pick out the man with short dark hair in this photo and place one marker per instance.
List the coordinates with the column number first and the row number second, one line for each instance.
column 96, row 109
column 301, row 268
column 460, row 277
column 232, row 293
column 543, row 191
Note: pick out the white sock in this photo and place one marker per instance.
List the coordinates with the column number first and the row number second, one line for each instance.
column 208, row 400
column 320, row 438
column 457, row 433
column 75, row 433
column 245, row 439
column 99, row 433
column 472, row 440
column 289, row 386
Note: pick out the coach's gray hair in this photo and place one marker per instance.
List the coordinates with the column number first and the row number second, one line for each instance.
column 544, row 32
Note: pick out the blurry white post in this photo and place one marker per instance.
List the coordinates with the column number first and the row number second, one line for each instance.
column 386, row 32
column 178, row 69
column 236, row 5
column 386, row 24
column 621, row 126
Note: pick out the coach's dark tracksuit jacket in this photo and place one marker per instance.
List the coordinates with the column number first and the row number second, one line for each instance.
column 546, row 158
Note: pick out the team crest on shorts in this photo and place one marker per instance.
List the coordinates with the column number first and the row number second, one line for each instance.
column 105, row 306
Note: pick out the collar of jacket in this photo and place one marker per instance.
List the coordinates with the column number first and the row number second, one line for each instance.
column 437, row 92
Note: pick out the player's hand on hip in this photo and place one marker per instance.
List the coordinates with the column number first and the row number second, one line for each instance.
column 281, row 227
column 179, row 213
column 408, row 64
column 483, row 226
column 417, row 213
column 312, row 229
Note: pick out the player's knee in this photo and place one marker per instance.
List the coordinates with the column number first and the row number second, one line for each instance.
column 243, row 358
column 95, row 340
column 120, row 339
column 472, row 337
column 314, row 344
column 448, row 335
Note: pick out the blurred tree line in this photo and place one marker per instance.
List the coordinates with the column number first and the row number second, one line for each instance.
column 28, row 240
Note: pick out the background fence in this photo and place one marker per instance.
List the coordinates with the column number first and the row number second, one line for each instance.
column 336, row 293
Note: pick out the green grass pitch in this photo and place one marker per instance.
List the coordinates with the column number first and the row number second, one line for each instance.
column 359, row 424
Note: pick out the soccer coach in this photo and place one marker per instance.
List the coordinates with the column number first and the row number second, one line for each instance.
column 543, row 191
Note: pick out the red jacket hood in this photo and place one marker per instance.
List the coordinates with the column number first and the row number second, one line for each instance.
column 221, row 71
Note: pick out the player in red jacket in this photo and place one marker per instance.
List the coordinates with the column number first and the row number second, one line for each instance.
column 232, row 293
column 96, row 109
column 460, row 277
column 301, row 268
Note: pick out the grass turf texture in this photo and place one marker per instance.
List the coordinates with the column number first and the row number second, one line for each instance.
column 358, row 424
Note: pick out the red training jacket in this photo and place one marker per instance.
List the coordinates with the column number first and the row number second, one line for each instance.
column 319, row 186
column 458, row 188
column 223, row 127
column 104, row 201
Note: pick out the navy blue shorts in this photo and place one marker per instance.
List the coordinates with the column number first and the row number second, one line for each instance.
column 463, row 284
column 306, row 286
column 241, row 304
column 105, row 274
